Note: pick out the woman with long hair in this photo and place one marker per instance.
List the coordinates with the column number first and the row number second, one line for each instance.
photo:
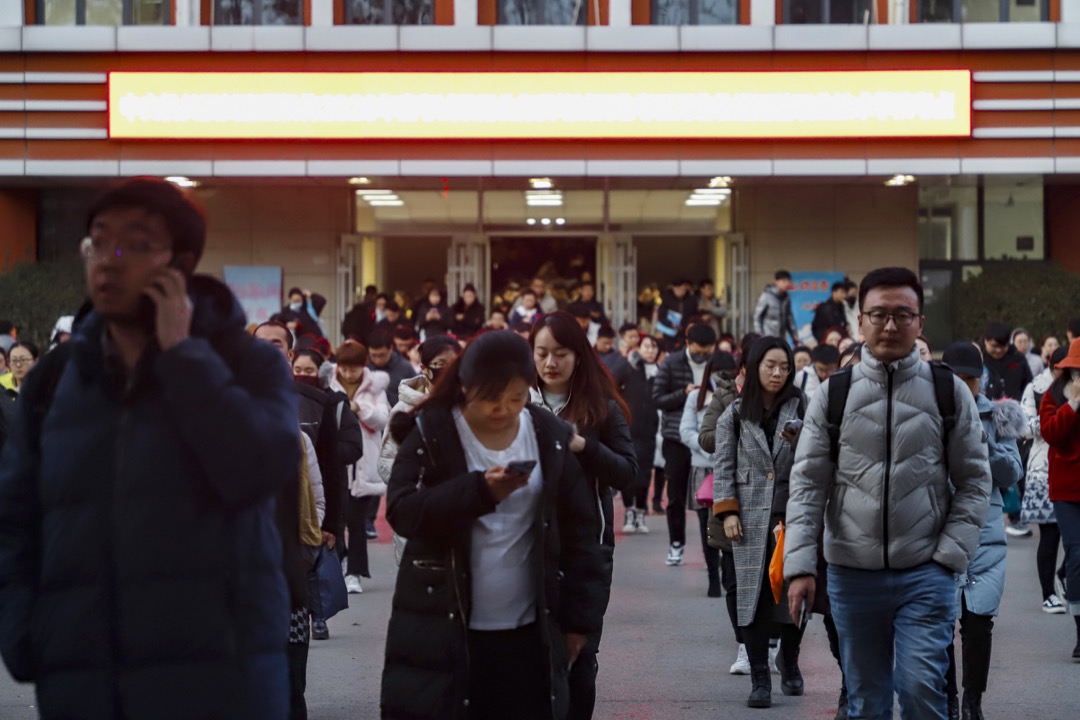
column 573, row 383
column 1060, row 426
column 502, row 579
column 755, row 440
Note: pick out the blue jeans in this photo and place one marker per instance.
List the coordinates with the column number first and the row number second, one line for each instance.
column 895, row 629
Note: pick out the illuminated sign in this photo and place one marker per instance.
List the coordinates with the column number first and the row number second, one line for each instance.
column 542, row 105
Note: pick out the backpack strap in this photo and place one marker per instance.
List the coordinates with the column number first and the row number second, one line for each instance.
column 945, row 395
column 839, row 387
column 40, row 388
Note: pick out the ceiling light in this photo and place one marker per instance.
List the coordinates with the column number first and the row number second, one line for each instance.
column 703, row 203
column 359, row 181
column 541, row 183
column 367, row 193
column 899, row 180
column 545, row 221
column 718, row 199
column 721, row 181
column 386, row 203
column 530, row 221
column 182, row 182
column 560, row 221
column 723, row 192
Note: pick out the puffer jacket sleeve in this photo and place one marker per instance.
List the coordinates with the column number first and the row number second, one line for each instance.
column 433, row 512
column 584, row 588
column 611, row 456
column 725, row 499
column 314, row 477
column 707, row 432
column 760, row 312
column 667, row 391
column 375, row 415
column 969, row 471
column 812, row 478
column 350, row 439
column 1006, row 468
column 1031, row 411
column 389, row 449
column 688, row 426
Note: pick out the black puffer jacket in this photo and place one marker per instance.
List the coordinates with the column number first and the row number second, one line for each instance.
column 432, row 501
column 466, row 321
column 669, row 391
column 327, row 419
column 140, row 566
column 638, row 395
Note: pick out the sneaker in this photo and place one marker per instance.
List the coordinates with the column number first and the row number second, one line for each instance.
column 319, row 631
column 372, row 533
column 774, row 653
column 352, row 584
column 1053, row 606
column 630, row 523
column 675, row 554
column 741, row 666
column 1017, row 529
column 639, row 522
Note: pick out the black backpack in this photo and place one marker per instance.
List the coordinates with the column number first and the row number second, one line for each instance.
column 840, row 386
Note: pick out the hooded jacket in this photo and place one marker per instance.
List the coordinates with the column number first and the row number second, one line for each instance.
column 363, row 475
column 887, row 503
column 773, row 316
column 140, row 564
column 1008, row 376
column 411, row 393
column 1037, row 507
column 1060, row 427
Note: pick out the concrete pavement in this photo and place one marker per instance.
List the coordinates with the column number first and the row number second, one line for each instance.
column 667, row 649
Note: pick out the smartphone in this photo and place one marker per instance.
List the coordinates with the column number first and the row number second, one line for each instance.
column 147, row 308
column 522, row 467
column 804, row 615
column 793, row 426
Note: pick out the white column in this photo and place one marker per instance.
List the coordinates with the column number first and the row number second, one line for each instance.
column 322, row 13
column 619, row 13
column 187, row 12
column 11, row 14
column 762, row 12
column 1070, row 11
column 465, row 13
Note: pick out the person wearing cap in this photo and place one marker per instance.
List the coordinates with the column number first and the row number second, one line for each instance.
column 1060, row 427
column 773, row 315
column 679, row 375
column 982, row 585
column 1036, row 506
column 141, row 569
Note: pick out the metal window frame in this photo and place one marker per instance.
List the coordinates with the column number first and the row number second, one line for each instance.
column 1003, row 11
column 127, row 12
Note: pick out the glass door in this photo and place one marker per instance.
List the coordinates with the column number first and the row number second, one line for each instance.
column 469, row 262
column 616, row 273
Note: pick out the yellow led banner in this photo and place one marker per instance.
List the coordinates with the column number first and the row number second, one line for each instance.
column 545, row 105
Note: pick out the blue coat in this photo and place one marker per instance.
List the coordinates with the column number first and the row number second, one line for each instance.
column 140, row 565
column 984, row 582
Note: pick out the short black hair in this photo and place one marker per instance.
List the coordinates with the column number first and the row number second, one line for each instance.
column 828, row 354
column 6, row 326
column 404, row 332
column 782, row 275
column 998, row 332
column 184, row 220
column 706, row 281
column 380, row 339
column 890, row 277
column 578, row 310
column 1074, row 327
column 277, row 324
column 392, row 306
column 29, row 347
column 628, row 327
column 801, row 349
column 606, row 331
column 839, row 286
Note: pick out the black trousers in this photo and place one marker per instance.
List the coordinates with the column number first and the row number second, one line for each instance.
column 659, row 481
column 1046, row 558
column 297, row 655
column 976, row 632
column 677, row 469
column 356, row 515
column 637, row 495
column 731, row 587
column 582, row 681
column 712, row 555
column 508, row 675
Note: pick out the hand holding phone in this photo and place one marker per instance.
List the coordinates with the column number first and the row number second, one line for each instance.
column 167, row 293
column 502, row 482
column 521, row 467
column 790, row 431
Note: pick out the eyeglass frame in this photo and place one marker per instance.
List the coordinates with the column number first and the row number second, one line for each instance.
column 893, row 315
column 771, row 369
column 119, row 249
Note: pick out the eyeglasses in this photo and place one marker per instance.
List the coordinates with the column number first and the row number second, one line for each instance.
column 902, row 318
column 22, row 361
column 773, row 369
column 97, row 249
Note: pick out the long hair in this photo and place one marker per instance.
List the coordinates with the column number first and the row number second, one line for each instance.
column 490, row 363
column 591, row 385
column 720, row 361
column 752, row 408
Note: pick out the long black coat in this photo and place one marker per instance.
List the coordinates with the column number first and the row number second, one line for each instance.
column 669, row 391
column 433, row 500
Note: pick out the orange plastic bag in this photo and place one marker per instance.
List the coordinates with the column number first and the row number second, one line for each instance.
column 776, row 566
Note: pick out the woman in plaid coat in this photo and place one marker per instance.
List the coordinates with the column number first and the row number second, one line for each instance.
column 754, row 454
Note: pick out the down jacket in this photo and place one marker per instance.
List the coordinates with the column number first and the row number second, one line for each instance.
column 984, row 582
column 433, row 501
column 669, row 392
column 887, row 502
column 411, row 393
column 374, row 412
column 140, row 563
column 1037, row 507
column 773, row 316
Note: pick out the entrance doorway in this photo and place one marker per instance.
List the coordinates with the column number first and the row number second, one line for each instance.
column 562, row 261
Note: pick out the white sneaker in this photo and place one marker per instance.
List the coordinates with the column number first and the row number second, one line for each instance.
column 639, row 522
column 774, row 653
column 741, row 665
column 352, row 584
column 675, row 554
column 1053, row 606
column 630, row 525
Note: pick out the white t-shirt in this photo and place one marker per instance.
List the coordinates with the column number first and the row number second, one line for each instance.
column 503, row 586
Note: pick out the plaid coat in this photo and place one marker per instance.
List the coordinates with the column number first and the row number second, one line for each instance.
column 752, row 480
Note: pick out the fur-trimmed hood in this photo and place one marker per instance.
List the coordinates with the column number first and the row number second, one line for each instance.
column 1007, row 416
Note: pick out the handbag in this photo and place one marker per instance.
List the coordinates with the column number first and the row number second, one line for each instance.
column 331, row 583
column 776, row 567
column 1010, row 500
column 704, row 495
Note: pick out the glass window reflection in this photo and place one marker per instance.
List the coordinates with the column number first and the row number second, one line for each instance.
column 258, row 12
column 389, row 12
column 542, row 12
column 695, row 12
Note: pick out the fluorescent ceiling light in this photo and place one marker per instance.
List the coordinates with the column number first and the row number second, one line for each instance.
column 560, row 221
column 386, row 203
column 182, row 182
column 359, row 181
column 718, row 199
column 366, row 193
column 545, row 221
column 703, row 203
column 712, row 191
column 530, row 221
column 541, row 183
column 721, row 181
column 899, row 180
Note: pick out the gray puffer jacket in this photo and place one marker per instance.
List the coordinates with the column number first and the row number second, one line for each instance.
column 773, row 315
column 887, row 504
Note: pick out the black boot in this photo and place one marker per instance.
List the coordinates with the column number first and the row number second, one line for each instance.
column 954, row 707
column 1076, row 650
column 971, row 709
column 791, row 680
column 841, row 705
column 761, row 694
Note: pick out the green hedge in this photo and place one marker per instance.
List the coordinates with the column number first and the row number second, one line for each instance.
column 1040, row 297
column 33, row 296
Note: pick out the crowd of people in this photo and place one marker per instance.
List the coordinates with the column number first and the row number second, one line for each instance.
column 858, row 479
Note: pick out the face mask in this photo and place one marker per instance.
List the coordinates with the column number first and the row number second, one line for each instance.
column 309, row 380
column 295, row 307
column 851, row 302
column 698, row 359
column 434, row 374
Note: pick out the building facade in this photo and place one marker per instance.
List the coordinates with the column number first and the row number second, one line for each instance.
column 784, row 167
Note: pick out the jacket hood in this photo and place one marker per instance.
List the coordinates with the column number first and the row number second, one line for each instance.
column 412, row 391
column 773, row 290
column 374, row 381
column 1008, row 418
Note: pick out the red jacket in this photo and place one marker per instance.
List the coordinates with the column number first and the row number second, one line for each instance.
column 1061, row 431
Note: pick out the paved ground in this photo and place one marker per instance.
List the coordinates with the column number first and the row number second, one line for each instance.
column 667, row 649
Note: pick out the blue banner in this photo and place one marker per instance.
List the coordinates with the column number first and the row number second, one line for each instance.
column 810, row 288
column 258, row 288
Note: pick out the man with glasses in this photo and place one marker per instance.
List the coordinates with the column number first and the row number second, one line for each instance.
column 896, row 531
column 140, row 565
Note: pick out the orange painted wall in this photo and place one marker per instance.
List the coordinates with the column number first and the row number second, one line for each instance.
column 18, row 217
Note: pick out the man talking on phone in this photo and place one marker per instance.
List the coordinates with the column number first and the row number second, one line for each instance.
column 140, row 566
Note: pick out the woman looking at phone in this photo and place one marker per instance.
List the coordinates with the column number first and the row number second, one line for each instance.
column 573, row 383
column 501, row 581
column 755, row 447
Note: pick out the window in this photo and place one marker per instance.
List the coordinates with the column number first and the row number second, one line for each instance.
column 390, row 12
column 827, row 12
column 695, row 12
column 543, row 12
column 1013, row 218
column 104, row 12
column 980, row 11
column 948, row 222
column 258, row 12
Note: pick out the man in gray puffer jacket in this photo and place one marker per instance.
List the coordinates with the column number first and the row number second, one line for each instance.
column 773, row 315
column 895, row 533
